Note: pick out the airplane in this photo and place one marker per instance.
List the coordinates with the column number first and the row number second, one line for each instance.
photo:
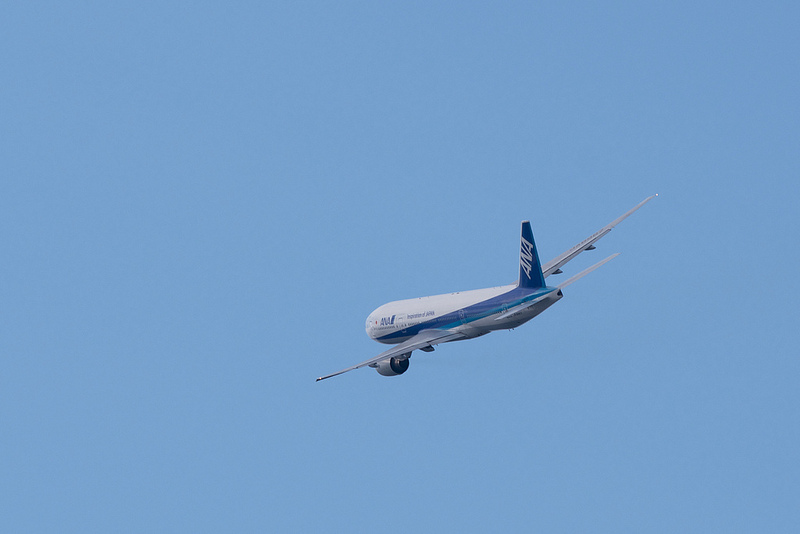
column 422, row 323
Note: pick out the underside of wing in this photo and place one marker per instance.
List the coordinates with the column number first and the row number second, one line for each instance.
column 554, row 265
column 424, row 340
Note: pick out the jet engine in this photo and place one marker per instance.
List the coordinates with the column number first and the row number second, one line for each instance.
column 393, row 366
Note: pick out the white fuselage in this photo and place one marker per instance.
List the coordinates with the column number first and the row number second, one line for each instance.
column 473, row 313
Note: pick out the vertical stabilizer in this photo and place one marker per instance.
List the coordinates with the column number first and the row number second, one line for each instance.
column 530, row 269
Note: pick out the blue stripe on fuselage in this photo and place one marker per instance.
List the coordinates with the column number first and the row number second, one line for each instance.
column 474, row 312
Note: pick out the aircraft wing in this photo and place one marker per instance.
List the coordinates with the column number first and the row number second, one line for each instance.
column 426, row 338
column 554, row 265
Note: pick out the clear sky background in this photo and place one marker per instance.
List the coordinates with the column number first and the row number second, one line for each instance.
column 201, row 202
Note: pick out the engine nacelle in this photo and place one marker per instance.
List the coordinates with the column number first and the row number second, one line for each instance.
column 393, row 366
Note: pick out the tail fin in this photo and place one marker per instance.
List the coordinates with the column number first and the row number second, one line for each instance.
column 530, row 269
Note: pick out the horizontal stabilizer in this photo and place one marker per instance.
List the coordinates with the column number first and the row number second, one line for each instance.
column 587, row 271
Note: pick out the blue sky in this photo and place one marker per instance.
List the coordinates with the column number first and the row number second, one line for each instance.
column 200, row 203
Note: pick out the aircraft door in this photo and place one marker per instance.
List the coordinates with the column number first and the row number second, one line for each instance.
column 401, row 323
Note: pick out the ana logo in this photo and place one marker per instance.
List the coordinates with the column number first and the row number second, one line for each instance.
column 526, row 256
column 387, row 321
